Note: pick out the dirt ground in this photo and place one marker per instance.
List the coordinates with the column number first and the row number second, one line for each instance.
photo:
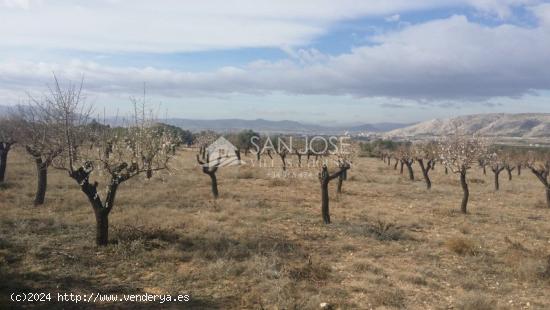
column 262, row 244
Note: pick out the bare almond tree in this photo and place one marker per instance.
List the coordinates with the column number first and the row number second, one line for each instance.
column 117, row 155
column 343, row 160
column 406, row 157
column 43, row 127
column 111, row 155
column 425, row 153
column 539, row 164
column 209, row 162
column 497, row 163
column 300, row 149
column 8, row 137
column 521, row 159
column 283, row 153
column 483, row 162
column 511, row 162
column 459, row 152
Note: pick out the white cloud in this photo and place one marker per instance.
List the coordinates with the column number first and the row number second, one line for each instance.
column 449, row 59
column 21, row 4
column 542, row 12
column 174, row 26
column 393, row 18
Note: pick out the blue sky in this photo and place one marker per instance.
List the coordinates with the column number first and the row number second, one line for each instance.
column 311, row 61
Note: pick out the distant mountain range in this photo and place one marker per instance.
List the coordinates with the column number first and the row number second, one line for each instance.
column 267, row 126
column 260, row 125
column 528, row 125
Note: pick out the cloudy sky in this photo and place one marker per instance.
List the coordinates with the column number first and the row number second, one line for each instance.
column 308, row 60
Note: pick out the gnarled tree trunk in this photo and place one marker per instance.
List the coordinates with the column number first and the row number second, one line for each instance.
column 542, row 175
column 509, row 170
column 497, row 170
column 466, row 192
column 410, row 169
column 101, row 210
column 341, row 178
column 42, row 181
column 4, row 150
column 299, row 158
column 325, row 201
column 283, row 159
column 214, row 183
column 325, row 178
column 211, row 171
column 425, row 172
column 102, row 227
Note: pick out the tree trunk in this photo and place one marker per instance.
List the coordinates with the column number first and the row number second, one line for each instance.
column 428, row 181
column 102, row 226
column 214, row 182
column 3, row 162
column 324, row 201
column 519, row 169
column 464, row 205
column 509, row 174
column 395, row 166
column 411, row 172
column 446, row 170
column 343, row 176
column 42, row 171
column 401, row 169
column 548, row 197
column 484, row 170
column 497, row 185
column 283, row 159
column 425, row 173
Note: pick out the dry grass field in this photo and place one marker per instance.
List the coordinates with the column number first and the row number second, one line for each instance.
column 262, row 244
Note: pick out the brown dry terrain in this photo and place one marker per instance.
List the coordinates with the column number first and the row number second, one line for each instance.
column 392, row 244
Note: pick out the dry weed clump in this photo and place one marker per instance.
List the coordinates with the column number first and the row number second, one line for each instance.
column 477, row 181
column 245, row 174
column 279, row 182
column 476, row 301
column 462, row 246
column 392, row 297
column 309, row 271
column 385, row 231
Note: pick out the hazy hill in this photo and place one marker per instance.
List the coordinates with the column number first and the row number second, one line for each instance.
column 267, row 126
column 529, row 125
column 260, row 125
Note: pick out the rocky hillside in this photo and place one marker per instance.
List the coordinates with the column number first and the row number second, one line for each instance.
column 532, row 125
